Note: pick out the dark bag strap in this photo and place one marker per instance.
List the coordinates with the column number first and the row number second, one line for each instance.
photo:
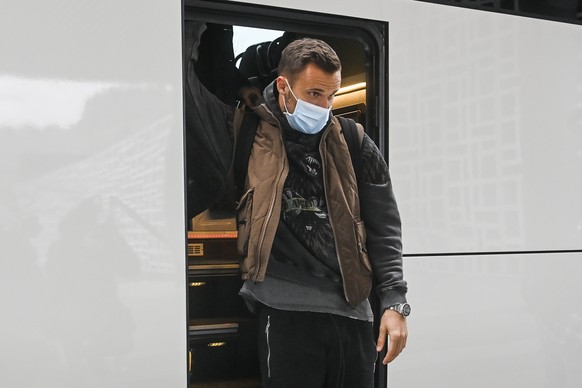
column 354, row 139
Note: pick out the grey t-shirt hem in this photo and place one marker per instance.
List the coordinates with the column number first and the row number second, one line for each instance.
column 285, row 295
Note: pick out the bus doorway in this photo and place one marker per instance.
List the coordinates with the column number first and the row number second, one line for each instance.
column 228, row 48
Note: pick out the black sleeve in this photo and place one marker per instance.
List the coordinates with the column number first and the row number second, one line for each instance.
column 209, row 139
column 383, row 227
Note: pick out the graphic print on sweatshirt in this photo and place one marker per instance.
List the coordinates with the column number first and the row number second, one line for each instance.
column 304, row 209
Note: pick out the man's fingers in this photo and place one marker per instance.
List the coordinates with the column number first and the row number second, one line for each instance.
column 381, row 339
column 390, row 354
column 397, row 344
column 392, row 325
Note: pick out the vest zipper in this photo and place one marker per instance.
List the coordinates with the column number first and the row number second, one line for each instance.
column 271, row 206
column 330, row 211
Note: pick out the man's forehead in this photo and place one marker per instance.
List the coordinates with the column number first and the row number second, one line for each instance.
column 319, row 80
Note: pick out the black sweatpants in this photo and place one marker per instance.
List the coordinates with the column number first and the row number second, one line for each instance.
column 315, row 350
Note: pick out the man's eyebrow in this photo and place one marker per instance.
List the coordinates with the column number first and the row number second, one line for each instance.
column 321, row 90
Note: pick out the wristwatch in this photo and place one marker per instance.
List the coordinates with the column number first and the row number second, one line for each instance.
column 402, row 308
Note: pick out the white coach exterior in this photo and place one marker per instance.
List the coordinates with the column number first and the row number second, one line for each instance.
column 485, row 152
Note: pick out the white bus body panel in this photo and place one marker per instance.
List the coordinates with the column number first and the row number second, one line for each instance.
column 485, row 129
column 493, row 321
column 485, row 155
column 92, row 274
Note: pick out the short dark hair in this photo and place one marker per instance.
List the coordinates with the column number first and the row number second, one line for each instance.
column 299, row 53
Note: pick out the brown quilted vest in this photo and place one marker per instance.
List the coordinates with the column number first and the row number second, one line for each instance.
column 259, row 209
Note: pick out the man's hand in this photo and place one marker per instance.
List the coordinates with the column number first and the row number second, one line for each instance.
column 193, row 35
column 393, row 325
column 249, row 95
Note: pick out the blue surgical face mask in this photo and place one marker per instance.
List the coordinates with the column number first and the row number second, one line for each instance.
column 307, row 118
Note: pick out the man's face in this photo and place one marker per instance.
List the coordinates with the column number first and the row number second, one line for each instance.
column 312, row 85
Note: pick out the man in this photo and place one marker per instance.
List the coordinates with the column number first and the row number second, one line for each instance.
column 308, row 264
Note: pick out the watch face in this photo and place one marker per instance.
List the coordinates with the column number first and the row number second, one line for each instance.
column 405, row 309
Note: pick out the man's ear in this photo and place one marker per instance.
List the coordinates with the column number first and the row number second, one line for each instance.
column 281, row 85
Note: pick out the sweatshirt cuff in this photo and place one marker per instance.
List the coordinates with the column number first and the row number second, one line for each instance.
column 391, row 297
